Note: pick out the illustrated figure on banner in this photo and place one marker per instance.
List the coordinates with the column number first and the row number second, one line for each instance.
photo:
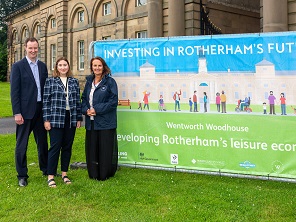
column 283, row 104
column 161, row 103
column 271, row 100
column 194, row 100
column 205, row 99
column 146, row 99
column 218, row 101
column 190, row 104
column 223, row 102
column 177, row 98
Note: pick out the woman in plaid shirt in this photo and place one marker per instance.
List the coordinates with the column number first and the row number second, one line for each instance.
column 61, row 115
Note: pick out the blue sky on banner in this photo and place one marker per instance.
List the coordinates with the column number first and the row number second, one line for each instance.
column 180, row 54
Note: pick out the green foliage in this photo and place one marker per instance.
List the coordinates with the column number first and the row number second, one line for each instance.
column 6, row 8
column 3, row 60
column 5, row 103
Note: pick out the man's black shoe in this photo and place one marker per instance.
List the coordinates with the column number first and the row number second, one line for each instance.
column 23, row 182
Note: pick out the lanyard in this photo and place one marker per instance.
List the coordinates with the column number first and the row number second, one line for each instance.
column 65, row 87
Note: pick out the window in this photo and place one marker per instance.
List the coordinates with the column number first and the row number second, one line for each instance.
column 80, row 16
column 53, row 55
column 53, row 23
column 266, row 94
column 38, row 29
column 142, row 34
column 106, row 37
column 26, row 33
column 141, row 2
column 81, row 55
column 236, row 95
column 107, row 8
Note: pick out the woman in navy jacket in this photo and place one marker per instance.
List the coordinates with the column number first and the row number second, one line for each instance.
column 61, row 115
column 99, row 105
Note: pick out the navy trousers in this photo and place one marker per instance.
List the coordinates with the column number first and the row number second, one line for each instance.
column 101, row 149
column 22, row 137
column 61, row 141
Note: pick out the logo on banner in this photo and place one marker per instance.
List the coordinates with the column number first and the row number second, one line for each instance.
column 247, row 164
column 174, row 159
column 277, row 166
column 122, row 155
column 143, row 157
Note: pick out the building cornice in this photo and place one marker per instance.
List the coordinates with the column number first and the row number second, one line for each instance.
column 24, row 8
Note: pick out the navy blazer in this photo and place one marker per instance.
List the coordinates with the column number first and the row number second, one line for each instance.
column 23, row 88
column 105, row 101
column 54, row 102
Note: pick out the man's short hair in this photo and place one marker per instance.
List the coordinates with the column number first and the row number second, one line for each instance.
column 30, row 39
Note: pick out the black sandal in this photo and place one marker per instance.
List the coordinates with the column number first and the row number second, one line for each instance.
column 51, row 183
column 67, row 181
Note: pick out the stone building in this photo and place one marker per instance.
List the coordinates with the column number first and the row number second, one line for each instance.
column 68, row 27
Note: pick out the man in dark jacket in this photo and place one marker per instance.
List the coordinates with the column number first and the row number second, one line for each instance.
column 27, row 81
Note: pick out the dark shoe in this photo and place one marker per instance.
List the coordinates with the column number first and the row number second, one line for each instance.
column 23, row 182
column 51, row 183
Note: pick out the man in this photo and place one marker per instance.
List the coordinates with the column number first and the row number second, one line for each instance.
column 271, row 99
column 244, row 103
column 194, row 99
column 176, row 97
column 27, row 81
column 223, row 102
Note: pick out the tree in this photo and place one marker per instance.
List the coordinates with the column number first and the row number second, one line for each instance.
column 6, row 8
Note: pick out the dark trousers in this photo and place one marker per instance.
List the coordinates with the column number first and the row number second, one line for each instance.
column 101, row 149
column 205, row 107
column 22, row 137
column 271, row 109
column 218, row 107
column 61, row 141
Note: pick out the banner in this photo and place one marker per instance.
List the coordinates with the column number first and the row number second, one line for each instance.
column 158, row 130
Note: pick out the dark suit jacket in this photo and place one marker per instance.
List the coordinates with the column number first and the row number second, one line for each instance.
column 23, row 88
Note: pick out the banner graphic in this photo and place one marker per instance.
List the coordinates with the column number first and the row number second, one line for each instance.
column 215, row 103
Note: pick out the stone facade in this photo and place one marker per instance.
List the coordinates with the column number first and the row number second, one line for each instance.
column 62, row 26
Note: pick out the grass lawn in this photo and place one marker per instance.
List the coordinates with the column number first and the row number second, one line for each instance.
column 5, row 104
column 134, row 194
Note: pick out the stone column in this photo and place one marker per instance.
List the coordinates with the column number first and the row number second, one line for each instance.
column 155, row 18
column 275, row 15
column 176, row 17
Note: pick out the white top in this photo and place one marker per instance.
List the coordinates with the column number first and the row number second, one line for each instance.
column 65, row 83
column 91, row 95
